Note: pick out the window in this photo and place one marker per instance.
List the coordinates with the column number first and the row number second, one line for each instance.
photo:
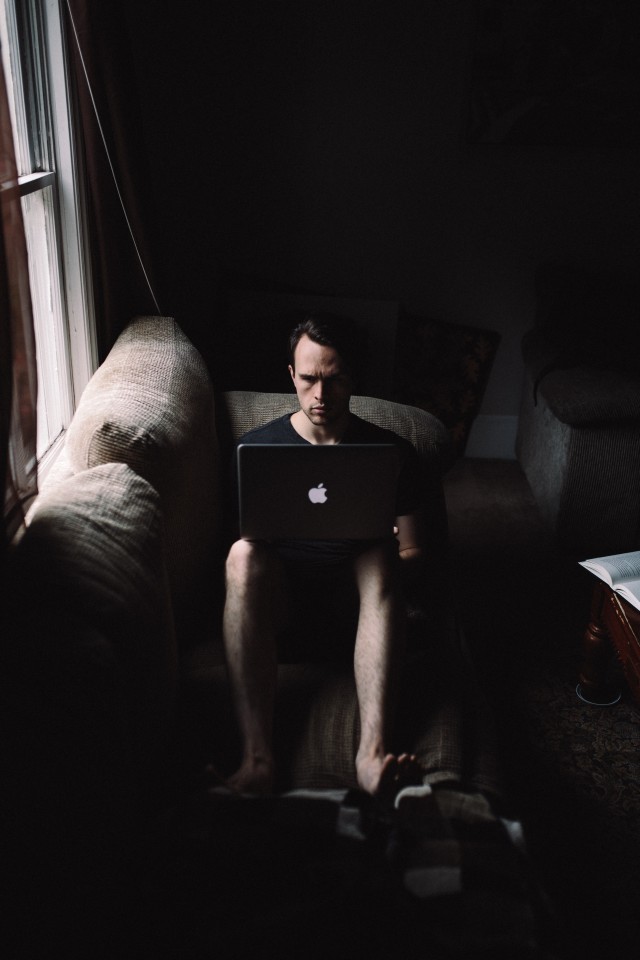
column 34, row 62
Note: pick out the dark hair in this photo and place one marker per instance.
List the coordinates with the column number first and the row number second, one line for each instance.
column 329, row 330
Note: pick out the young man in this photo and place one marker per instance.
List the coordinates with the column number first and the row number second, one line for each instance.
column 264, row 579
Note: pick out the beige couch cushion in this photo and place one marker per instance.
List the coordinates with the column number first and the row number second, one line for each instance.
column 441, row 717
column 247, row 409
column 94, row 653
column 150, row 405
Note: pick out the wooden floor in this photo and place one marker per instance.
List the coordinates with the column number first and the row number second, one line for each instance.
column 572, row 772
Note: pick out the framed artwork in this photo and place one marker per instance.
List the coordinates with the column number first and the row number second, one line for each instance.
column 556, row 72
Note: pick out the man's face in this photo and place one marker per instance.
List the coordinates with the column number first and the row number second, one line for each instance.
column 322, row 382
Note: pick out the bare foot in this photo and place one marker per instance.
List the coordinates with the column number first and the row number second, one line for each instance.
column 385, row 776
column 254, row 776
column 210, row 778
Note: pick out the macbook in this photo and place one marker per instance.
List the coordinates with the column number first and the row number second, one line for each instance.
column 317, row 491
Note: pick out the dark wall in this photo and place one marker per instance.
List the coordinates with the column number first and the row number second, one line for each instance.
column 324, row 146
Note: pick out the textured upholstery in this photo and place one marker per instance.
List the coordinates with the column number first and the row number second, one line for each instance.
column 93, row 659
column 88, row 686
column 581, row 394
column 442, row 717
column 579, row 429
column 585, row 478
column 248, row 409
column 150, row 405
column 142, row 452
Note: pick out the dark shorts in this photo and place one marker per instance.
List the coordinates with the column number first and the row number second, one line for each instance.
column 323, row 614
column 324, row 607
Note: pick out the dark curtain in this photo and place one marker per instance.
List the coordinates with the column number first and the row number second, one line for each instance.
column 18, row 375
column 103, row 72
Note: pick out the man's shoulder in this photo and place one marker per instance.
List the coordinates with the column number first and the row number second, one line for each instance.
column 275, row 431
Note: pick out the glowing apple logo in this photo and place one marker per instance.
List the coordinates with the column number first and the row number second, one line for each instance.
column 318, row 494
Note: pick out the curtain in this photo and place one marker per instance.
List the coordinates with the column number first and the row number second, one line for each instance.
column 18, row 375
column 103, row 76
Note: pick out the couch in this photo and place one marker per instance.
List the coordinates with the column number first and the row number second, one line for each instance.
column 115, row 690
column 578, row 439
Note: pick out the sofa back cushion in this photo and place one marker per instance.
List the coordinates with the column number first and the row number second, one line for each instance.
column 151, row 405
column 246, row 409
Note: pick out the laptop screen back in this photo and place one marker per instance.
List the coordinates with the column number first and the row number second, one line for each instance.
column 317, row 492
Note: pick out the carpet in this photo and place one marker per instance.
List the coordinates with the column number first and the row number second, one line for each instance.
column 572, row 771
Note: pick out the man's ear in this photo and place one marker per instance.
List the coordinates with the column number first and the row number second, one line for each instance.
column 292, row 372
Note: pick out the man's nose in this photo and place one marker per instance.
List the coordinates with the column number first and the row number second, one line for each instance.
column 321, row 389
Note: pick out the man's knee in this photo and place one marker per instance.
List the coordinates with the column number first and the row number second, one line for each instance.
column 255, row 577
column 377, row 572
column 246, row 561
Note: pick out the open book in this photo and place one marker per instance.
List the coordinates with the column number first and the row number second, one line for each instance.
column 621, row 571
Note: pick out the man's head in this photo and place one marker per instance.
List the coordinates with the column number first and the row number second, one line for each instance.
column 324, row 357
column 328, row 330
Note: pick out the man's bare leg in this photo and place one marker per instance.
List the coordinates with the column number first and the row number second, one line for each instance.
column 378, row 654
column 254, row 607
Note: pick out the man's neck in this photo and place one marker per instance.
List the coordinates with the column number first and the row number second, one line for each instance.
column 329, row 434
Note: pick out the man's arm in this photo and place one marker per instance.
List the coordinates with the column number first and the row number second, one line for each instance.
column 410, row 536
column 410, row 539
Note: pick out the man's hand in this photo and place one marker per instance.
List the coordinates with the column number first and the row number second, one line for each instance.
column 408, row 532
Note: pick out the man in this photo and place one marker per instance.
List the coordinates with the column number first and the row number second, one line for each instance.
column 259, row 575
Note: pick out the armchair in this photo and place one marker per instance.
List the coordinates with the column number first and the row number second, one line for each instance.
column 579, row 430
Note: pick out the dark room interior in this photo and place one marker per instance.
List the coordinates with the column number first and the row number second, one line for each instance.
column 416, row 166
column 329, row 149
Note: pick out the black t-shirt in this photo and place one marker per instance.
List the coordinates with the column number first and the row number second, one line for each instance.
column 408, row 495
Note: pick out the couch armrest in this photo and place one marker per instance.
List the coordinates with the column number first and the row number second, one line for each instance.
column 579, row 392
column 150, row 405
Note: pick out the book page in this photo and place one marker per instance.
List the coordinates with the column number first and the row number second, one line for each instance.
column 616, row 568
column 630, row 591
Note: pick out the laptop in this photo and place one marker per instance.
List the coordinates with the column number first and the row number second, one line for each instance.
column 317, row 491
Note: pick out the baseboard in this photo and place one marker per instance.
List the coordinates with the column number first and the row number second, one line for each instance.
column 493, row 437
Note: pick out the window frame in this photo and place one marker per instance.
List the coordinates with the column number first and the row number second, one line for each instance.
column 72, row 207
column 49, row 111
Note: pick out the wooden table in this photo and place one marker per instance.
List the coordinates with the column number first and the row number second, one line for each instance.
column 614, row 627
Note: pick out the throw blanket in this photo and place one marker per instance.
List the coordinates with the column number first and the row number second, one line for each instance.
column 332, row 873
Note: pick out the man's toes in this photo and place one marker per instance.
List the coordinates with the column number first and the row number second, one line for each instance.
column 410, row 771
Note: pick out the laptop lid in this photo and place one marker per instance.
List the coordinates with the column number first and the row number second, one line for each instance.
column 317, row 491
